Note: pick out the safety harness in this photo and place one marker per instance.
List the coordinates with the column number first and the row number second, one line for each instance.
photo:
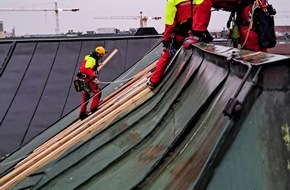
column 82, row 80
column 80, row 83
column 261, row 20
column 181, row 29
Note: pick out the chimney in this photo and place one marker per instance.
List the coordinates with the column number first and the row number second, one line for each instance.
column 1, row 30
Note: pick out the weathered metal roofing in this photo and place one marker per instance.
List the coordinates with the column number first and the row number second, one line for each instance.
column 176, row 135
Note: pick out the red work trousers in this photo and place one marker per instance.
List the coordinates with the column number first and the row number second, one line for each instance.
column 164, row 60
column 160, row 67
column 249, row 38
column 201, row 16
column 95, row 90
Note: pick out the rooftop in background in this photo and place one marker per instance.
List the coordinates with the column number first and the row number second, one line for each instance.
column 100, row 32
column 285, row 28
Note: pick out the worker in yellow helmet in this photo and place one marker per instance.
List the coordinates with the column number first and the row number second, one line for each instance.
column 177, row 25
column 88, row 72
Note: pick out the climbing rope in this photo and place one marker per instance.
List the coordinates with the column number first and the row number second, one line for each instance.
column 123, row 79
column 251, row 20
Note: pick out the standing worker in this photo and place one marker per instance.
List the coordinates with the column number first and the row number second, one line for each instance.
column 177, row 25
column 89, row 72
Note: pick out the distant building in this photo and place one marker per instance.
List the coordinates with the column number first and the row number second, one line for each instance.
column 282, row 32
column 282, row 29
column 146, row 31
column 107, row 31
column 2, row 35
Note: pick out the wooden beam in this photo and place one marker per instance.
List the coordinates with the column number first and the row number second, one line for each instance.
column 55, row 150
column 130, row 82
column 104, row 105
column 83, row 130
column 107, row 59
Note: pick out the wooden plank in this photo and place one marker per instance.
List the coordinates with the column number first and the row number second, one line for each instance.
column 104, row 106
column 128, row 105
column 76, row 125
column 130, row 82
column 67, row 130
column 124, row 91
column 56, row 149
column 109, row 101
column 107, row 59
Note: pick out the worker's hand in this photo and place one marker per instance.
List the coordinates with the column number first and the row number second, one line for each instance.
column 99, row 67
column 95, row 81
column 165, row 44
column 165, row 47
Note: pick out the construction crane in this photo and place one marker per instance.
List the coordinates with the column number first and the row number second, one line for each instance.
column 143, row 19
column 55, row 9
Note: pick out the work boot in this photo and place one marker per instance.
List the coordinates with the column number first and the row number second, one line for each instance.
column 94, row 110
column 188, row 42
column 83, row 115
column 151, row 85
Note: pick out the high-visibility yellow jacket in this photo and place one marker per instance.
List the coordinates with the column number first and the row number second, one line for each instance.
column 89, row 66
column 177, row 11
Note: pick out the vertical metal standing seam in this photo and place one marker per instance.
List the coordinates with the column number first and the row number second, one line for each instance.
column 125, row 66
column 19, row 83
column 27, row 129
column 71, row 86
column 8, row 57
column 154, row 44
column 177, row 141
column 198, row 184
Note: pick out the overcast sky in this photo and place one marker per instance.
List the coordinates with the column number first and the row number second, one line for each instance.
column 31, row 22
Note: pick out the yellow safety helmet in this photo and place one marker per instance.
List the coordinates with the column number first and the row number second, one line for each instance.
column 101, row 50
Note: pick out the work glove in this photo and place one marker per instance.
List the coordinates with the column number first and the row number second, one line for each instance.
column 188, row 42
column 165, row 45
column 207, row 37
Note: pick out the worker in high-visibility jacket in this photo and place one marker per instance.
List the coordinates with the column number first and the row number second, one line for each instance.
column 177, row 25
column 89, row 71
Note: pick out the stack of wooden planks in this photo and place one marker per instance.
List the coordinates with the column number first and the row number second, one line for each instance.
column 126, row 98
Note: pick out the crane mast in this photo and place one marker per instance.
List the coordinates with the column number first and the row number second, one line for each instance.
column 56, row 18
column 56, row 10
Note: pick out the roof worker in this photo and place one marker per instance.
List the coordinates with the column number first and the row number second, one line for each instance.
column 177, row 25
column 89, row 72
column 248, row 36
column 256, row 26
